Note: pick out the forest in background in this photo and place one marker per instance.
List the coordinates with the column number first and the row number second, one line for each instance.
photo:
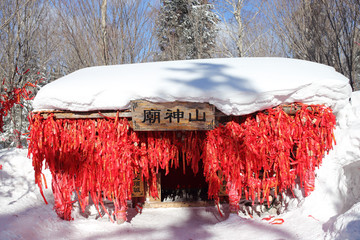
column 42, row 40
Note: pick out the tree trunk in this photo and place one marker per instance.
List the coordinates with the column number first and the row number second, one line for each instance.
column 104, row 32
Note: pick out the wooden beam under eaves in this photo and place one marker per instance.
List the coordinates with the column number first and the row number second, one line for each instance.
column 289, row 109
column 85, row 115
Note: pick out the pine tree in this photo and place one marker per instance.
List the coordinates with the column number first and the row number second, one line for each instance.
column 186, row 29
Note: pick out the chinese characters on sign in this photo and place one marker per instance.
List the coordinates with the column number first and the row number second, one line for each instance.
column 152, row 116
column 176, row 115
column 197, row 117
column 148, row 116
column 138, row 188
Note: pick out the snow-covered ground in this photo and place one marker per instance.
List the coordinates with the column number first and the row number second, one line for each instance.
column 332, row 211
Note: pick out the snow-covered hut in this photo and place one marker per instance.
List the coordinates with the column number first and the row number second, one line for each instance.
column 254, row 126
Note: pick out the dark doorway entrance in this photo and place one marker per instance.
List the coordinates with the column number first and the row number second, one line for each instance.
column 177, row 186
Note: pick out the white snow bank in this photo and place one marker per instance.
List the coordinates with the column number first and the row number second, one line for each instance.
column 347, row 225
column 342, row 190
column 338, row 178
column 235, row 86
column 355, row 102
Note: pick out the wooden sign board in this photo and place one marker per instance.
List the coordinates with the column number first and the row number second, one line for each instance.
column 172, row 116
column 138, row 187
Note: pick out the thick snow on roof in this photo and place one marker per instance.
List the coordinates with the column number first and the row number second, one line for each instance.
column 235, row 86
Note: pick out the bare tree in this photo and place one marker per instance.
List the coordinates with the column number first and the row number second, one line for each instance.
column 344, row 19
column 7, row 21
column 131, row 25
column 104, row 32
column 242, row 30
column 24, row 54
column 41, row 38
column 357, row 63
column 323, row 31
column 101, row 32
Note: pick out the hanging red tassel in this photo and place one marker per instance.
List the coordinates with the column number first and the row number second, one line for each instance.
column 269, row 151
column 100, row 158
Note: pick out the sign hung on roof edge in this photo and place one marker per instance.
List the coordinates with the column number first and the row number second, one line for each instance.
column 172, row 116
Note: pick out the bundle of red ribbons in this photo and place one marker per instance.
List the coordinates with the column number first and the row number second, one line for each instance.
column 8, row 98
column 268, row 150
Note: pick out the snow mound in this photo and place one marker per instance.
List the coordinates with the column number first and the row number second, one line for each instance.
column 236, row 86
column 342, row 189
column 355, row 102
column 347, row 225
